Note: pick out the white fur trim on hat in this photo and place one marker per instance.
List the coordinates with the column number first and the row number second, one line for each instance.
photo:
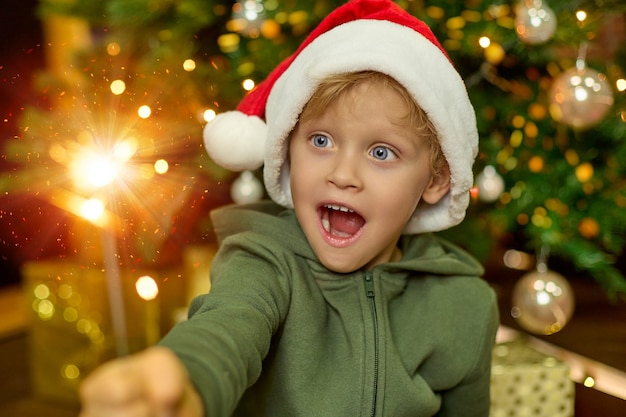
column 412, row 60
column 234, row 140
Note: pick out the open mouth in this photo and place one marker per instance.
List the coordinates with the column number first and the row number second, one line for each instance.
column 340, row 221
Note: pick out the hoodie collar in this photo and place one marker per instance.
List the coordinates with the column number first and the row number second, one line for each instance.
column 424, row 253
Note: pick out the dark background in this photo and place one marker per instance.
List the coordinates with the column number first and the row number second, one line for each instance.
column 21, row 56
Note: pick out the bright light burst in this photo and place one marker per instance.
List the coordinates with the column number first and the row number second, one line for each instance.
column 96, row 156
column 92, row 209
column 101, row 171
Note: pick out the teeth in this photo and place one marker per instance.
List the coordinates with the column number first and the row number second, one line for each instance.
column 338, row 208
column 326, row 219
column 326, row 224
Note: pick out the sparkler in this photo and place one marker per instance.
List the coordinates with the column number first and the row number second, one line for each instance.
column 97, row 171
column 116, row 147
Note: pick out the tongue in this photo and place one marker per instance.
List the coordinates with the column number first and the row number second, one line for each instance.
column 344, row 222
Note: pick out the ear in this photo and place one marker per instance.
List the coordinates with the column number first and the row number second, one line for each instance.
column 438, row 187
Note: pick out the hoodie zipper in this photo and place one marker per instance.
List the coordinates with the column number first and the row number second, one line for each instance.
column 368, row 278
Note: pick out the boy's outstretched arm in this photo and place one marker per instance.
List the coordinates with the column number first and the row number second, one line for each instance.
column 151, row 383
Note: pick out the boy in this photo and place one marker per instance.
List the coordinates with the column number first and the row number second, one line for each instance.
column 336, row 301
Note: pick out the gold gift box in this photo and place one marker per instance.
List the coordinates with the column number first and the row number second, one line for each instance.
column 526, row 382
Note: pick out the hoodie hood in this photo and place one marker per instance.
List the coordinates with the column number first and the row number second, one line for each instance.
column 265, row 222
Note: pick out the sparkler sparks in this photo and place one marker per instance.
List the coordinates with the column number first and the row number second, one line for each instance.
column 108, row 153
column 99, row 155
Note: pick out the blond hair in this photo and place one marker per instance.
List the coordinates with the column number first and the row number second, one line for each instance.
column 336, row 86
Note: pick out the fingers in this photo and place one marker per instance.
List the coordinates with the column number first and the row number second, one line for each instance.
column 114, row 389
column 129, row 409
column 166, row 378
column 148, row 384
column 113, row 382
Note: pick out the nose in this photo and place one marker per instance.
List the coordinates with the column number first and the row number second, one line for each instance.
column 345, row 171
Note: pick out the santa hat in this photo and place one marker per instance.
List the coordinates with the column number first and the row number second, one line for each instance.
column 361, row 35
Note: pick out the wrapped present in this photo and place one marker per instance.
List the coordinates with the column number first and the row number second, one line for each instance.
column 526, row 382
column 71, row 330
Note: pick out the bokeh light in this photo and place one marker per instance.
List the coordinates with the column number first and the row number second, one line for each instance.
column 147, row 287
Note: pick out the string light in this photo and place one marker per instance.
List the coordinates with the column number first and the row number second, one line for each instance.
column 71, row 371
column 209, row 115
column 189, row 65
column 161, row 166
column 589, row 382
column 147, row 287
column 113, row 48
column 144, row 111
column 228, row 43
column 248, row 84
column 118, row 87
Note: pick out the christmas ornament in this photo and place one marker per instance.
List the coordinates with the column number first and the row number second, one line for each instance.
column 580, row 97
column 535, row 22
column 543, row 301
column 246, row 189
column 247, row 17
column 490, row 184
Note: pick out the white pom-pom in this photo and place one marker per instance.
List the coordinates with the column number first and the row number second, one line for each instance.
column 236, row 141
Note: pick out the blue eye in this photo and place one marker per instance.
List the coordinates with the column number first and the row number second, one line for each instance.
column 382, row 153
column 320, row 141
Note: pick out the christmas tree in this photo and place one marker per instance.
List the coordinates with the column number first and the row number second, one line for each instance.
column 546, row 78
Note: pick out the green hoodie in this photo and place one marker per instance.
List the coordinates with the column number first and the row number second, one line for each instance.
column 280, row 335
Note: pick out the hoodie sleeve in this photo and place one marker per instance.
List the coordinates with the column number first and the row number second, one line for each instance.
column 471, row 398
column 228, row 333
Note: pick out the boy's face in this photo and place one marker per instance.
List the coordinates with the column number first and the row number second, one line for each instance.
column 357, row 175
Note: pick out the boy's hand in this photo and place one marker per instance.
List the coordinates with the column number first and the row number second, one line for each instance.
column 152, row 383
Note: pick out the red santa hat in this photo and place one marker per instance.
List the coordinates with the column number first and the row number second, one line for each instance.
column 360, row 35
